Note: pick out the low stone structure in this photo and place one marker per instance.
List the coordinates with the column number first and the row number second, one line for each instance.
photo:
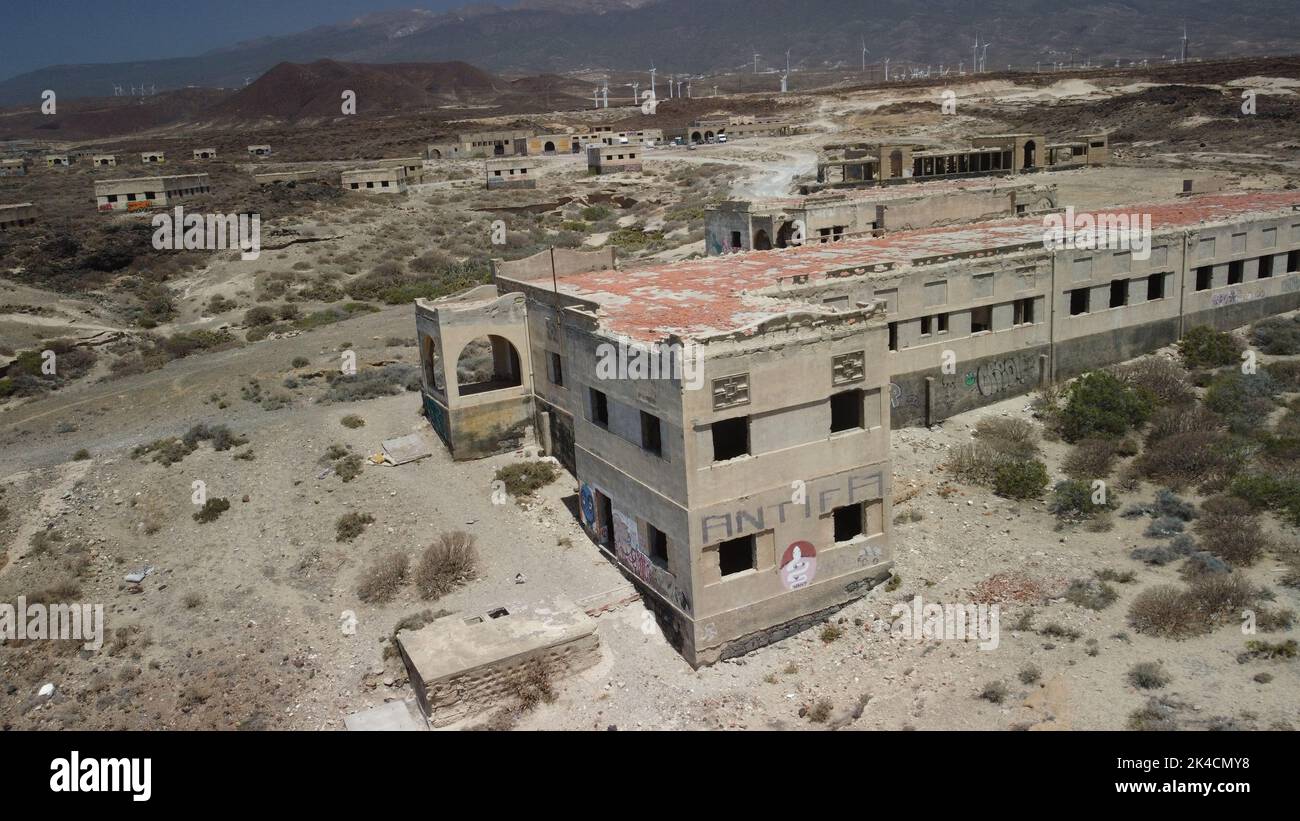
column 17, row 215
column 509, row 173
column 462, row 666
column 481, row 145
column 259, row 151
column 137, row 193
column 413, row 166
column 13, row 168
column 205, row 153
column 611, row 159
column 103, row 160
column 389, row 180
column 57, row 160
column 153, row 157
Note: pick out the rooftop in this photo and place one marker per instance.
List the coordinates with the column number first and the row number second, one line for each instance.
column 890, row 192
column 719, row 294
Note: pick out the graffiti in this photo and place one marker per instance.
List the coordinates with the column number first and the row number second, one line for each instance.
column 1001, row 375
column 437, row 417
column 1229, row 298
column 710, row 632
column 829, row 494
column 870, row 554
column 798, row 565
column 588, row 499
column 900, row 396
column 627, row 546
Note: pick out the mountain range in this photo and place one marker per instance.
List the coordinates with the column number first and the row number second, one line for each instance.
column 554, row 36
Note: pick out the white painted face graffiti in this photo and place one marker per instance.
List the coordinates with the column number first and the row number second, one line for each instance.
column 798, row 565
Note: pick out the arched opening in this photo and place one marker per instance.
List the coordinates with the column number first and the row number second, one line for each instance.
column 695, row 136
column 431, row 359
column 1030, row 159
column 488, row 363
column 708, row 136
column 435, row 154
column 549, row 148
column 785, row 235
column 895, row 163
column 762, row 242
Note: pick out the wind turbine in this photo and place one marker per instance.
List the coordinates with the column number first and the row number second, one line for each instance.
column 1183, row 53
column 636, row 92
column 984, row 56
column 604, row 93
column 886, row 69
column 756, row 62
column 652, row 79
column 864, row 54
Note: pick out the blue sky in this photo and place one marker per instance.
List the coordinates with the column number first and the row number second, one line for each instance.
column 37, row 33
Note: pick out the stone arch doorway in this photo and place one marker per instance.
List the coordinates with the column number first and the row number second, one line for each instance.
column 1031, row 160
column 487, row 363
column 762, row 242
column 695, row 137
column 549, row 148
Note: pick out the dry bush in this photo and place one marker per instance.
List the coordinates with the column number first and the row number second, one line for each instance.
column 1230, row 529
column 526, row 478
column 1016, row 438
column 447, row 563
column 1148, row 675
column 532, row 684
column 1198, row 458
column 1165, row 611
column 1163, row 378
column 973, row 462
column 383, row 578
column 351, row 525
column 1090, row 459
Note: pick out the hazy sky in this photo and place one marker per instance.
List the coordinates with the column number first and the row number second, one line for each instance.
column 37, row 33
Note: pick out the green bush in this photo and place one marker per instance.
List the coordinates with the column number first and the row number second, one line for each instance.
column 526, row 478
column 1204, row 347
column 211, row 510
column 1020, row 479
column 1016, row 438
column 1098, row 405
column 1278, row 336
column 1072, row 499
column 1267, row 492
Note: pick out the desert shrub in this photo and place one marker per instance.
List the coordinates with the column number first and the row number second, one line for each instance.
column 1269, row 492
column 351, row 525
column 1165, row 610
column 1166, row 422
column 1286, row 373
column 1098, row 405
column 1164, row 527
column 1162, row 554
column 387, row 283
column 1274, row 620
column 383, row 578
column 820, row 711
column 1148, row 675
column 1156, row 716
column 1260, row 649
column 1017, row 479
column 1029, row 674
column 1046, row 406
column 166, row 452
column 1204, row 347
column 446, row 564
column 973, row 462
column 1161, row 378
column 532, row 684
column 1121, row 576
column 1278, row 335
column 1208, row 459
column 81, row 455
column 526, row 478
column 1073, row 499
column 1202, row 563
column 1015, row 438
column 1243, row 400
column 352, row 421
column 1231, row 530
column 258, row 315
column 372, row 383
column 349, row 467
column 830, row 633
column 1093, row 594
column 1059, row 631
column 212, row 510
column 995, row 692
column 300, row 362
column 1090, row 459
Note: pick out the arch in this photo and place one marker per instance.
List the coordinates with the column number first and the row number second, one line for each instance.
column 431, row 359
column 487, row 363
column 784, row 234
column 435, row 154
column 762, row 242
column 708, row 136
column 695, row 136
column 549, row 148
column 1030, row 158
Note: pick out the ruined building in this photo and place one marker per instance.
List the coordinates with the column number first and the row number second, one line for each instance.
column 992, row 154
column 728, row 418
column 136, row 193
column 831, row 216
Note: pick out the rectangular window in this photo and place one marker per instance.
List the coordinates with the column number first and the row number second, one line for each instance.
column 925, row 326
column 1236, row 272
column 557, row 369
column 1204, row 277
column 1022, row 312
column 736, row 555
column 846, row 411
column 943, row 323
column 599, row 408
column 893, row 336
column 981, row 319
column 1265, row 267
column 1155, row 287
column 1118, row 293
column 1293, row 261
column 657, row 541
column 730, row 438
column 849, row 523
column 651, row 438
column 1079, row 298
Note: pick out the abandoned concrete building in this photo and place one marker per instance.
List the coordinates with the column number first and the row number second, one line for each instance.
column 57, row 160
column 13, row 168
column 387, row 180
column 137, row 193
column 738, row 127
column 153, row 157
column 205, row 153
column 883, row 163
column 686, row 469
column 103, row 160
column 646, row 136
column 481, row 144
column 831, row 216
column 413, row 166
column 748, row 510
column 611, row 159
column 17, row 215
column 289, row 176
column 547, row 144
column 512, row 172
column 259, row 151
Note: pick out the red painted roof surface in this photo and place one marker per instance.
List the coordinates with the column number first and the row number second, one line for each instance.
column 716, row 294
